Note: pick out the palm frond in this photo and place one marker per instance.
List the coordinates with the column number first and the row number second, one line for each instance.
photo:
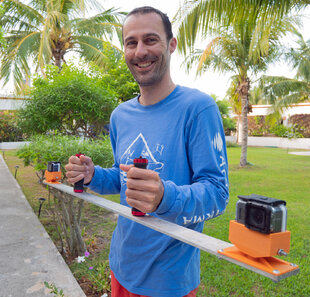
column 20, row 12
column 59, row 25
column 17, row 59
column 91, row 48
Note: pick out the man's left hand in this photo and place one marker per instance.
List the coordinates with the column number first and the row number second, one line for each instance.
column 145, row 189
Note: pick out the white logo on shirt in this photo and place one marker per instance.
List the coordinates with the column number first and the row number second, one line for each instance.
column 218, row 142
column 139, row 147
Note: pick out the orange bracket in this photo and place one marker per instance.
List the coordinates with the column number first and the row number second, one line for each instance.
column 52, row 177
column 257, row 249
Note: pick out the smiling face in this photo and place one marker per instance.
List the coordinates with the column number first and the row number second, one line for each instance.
column 147, row 51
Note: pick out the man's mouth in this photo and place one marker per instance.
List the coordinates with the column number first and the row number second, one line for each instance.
column 144, row 64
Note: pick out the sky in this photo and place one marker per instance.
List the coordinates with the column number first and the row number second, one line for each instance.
column 210, row 82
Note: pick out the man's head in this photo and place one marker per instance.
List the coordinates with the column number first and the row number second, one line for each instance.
column 148, row 45
column 148, row 9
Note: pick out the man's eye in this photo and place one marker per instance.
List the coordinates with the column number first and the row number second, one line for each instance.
column 131, row 43
column 151, row 40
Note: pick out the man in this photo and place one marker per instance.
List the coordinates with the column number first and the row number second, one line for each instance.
column 179, row 131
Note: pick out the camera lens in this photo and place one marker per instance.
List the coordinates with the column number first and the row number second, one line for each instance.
column 257, row 218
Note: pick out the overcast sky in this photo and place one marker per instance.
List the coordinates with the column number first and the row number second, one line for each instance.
column 209, row 82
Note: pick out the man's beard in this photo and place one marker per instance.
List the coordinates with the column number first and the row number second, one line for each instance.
column 154, row 76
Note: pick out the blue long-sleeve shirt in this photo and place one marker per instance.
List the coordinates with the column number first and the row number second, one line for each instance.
column 182, row 137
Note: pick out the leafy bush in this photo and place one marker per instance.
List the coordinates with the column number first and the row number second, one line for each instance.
column 302, row 121
column 257, row 126
column 287, row 132
column 228, row 123
column 267, row 125
column 9, row 131
column 45, row 148
column 70, row 101
column 115, row 75
column 68, row 209
column 2, row 40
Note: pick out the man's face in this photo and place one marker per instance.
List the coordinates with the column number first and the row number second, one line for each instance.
column 147, row 52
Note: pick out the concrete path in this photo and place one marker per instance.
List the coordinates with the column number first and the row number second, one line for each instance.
column 300, row 153
column 28, row 257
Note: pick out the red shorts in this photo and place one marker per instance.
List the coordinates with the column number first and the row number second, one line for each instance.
column 119, row 291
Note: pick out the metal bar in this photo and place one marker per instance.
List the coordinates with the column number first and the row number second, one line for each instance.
column 202, row 241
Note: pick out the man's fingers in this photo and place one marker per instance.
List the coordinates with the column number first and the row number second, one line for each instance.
column 125, row 168
column 85, row 160
column 74, row 160
column 79, row 168
column 143, row 174
column 74, row 179
column 142, row 185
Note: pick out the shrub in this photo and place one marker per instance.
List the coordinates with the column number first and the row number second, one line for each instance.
column 69, row 101
column 287, row 132
column 9, row 131
column 257, row 126
column 45, row 148
column 115, row 74
column 229, row 124
column 302, row 121
column 68, row 210
column 267, row 125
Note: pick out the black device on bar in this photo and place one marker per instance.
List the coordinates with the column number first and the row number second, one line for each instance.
column 139, row 163
column 79, row 186
column 263, row 214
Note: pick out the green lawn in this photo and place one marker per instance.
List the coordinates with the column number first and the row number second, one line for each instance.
column 273, row 173
column 277, row 174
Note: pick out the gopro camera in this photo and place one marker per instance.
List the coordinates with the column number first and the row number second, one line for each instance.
column 263, row 214
column 53, row 166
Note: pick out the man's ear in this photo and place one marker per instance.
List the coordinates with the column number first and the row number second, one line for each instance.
column 172, row 44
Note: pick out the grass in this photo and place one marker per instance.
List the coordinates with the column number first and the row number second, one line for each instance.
column 277, row 174
column 273, row 173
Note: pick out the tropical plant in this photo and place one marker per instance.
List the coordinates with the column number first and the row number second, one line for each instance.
column 9, row 130
column 70, row 101
column 67, row 211
column 245, row 40
column 115, row 75
column 302, row 121
column 46, row 30
column 228, row 123
column 282, row 91
column 1, row 33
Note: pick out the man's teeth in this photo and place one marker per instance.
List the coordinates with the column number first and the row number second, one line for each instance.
column 144, row 65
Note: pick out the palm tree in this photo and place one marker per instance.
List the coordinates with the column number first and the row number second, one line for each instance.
column 245, row 40
column 282, row 91
column 46, row 30
column 1, row 33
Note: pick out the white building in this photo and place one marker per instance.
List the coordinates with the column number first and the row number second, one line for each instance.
column 10, row 102
column 300, row 108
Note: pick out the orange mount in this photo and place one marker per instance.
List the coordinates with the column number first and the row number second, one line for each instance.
column 257, row 249
column 52, row 177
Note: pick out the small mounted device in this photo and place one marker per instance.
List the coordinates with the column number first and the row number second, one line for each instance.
column 53, row 173
column 139, row 163
column 259, row 233
column 263, row 214
column 79, row 185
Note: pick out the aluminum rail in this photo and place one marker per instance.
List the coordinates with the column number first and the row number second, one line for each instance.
column 202, row 241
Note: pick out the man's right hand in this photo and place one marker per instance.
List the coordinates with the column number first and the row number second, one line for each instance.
column 78, row 168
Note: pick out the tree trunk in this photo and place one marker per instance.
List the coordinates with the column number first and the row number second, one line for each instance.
column 244, row 92
column 68, row 212
column 238, row 136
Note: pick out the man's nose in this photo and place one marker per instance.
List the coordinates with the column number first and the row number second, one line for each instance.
column 141, row 50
